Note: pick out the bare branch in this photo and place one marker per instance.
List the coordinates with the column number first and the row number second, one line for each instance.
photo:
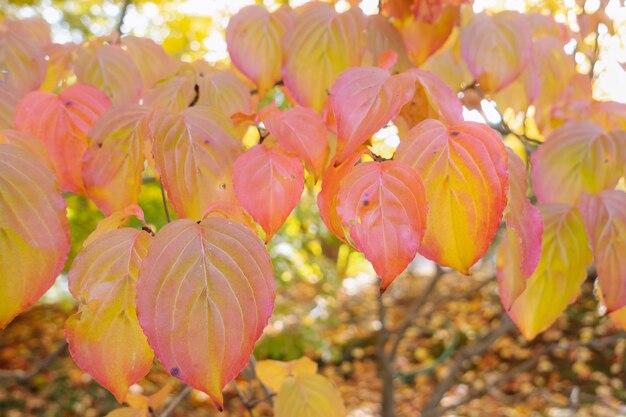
column 476, row 348
column 414, row 313
column 120, row 21
column 181, row 396
column 523, row 367
column 164, row 199
column 21, row 375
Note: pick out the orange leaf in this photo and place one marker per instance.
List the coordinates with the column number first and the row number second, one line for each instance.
column 104, row 337
column 61, row 123
column 113, row 162
column 565, row 256
column 604, row 215
column 422, row 39
column 384, row 207
column 268, row 184
column 519, row 253
column 522, row 216
column 577, row 157
column 327, row 197
column 496, row 48
column 110, row 69
column 382, row 37
column 254, row 40
column 464, row 168
column 205, row 293
column 433, row 99
column 364, row 100
column 302, row 132
column 194, row 153
column 320, row 46
column 34, row 232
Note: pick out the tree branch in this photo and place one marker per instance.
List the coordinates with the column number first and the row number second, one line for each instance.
column 21, row 375
column 164, row 199
column 181, row 396
column 414, row 313
column 467, row 352
column 523, row 367
column 120, row 20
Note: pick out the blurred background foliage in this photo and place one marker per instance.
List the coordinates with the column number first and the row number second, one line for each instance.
column 326, row 299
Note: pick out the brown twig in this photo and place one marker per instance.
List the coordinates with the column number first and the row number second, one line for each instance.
column 21, row 375
column 164, row 199
column 414, row 313
column 120, row 21
column 181, row 396
column 476, row 348
column 527, row 365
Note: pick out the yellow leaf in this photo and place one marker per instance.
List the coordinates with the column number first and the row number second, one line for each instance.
column 308, row 395
column 565, row 256
column 273, row 373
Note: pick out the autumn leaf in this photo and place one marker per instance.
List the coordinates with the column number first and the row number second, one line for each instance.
column 273, row 373
column 268, row 184
column 104, row 336
column 604, row 215
column 576, row 158
column 302, row 132
column 308, row 395
column 504, row 51
column 204, row 295
column 562, row 268
column 464, row 169
column 111, row 70
column 61, row 122
column 319, row 46
column 194, row 153
column 34, row 232
column 114, row 160
column 254, row 39
column 519, row 253
column 383, row 205
column 364, row 100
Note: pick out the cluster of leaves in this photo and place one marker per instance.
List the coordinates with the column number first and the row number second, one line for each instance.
column 100, row 118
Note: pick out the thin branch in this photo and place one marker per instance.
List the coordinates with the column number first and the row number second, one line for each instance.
column 476, row 348
column 181, row 396
column 524, row 367
column 269, row 396
column 502, row 127
column 120, row 21
column 414, row 313
column 596, row 54
column 246, row 403
column 21, row 375
column 164, row 199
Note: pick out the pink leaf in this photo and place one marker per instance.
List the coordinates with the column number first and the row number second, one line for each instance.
column 384, row 207
column 204, row 295
column 302, row 132
column 268, row 184
column 364, row 100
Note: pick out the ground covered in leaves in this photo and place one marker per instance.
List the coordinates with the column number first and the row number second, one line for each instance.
column 512, row 378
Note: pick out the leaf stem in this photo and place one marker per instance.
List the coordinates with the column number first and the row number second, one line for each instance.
column 164, row 199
